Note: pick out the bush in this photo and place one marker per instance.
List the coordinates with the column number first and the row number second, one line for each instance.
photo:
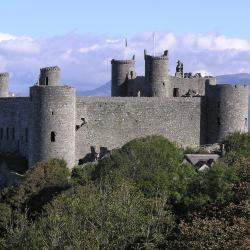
column 86, row 217
column 146, row 161
column 83, row 174
column 213, row 234
column 38, row 186
column 237, row 146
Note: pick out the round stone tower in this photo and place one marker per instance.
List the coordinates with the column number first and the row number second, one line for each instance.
column 156, row 75
column 227, row 111
column 50, row 76
column 122, row 72
column 4, row 84
column 52, row 122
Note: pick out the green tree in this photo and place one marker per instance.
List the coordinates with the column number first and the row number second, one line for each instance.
column 38, row 186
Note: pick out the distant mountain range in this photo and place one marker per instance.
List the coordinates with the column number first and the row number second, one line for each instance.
column 105, row 89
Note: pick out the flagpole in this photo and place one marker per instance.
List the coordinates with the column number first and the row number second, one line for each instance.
column 125, row 51
column 154, row 43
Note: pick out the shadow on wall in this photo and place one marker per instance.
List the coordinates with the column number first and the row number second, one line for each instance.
column 12, row 169
column 94, row 155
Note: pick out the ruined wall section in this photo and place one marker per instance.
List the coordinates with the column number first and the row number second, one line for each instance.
column 14, row 125
column 111, row 122
column 196, row 83
column 139, row 87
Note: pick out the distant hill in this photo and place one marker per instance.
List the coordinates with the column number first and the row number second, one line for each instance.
column 242, row 78
column 105, row 89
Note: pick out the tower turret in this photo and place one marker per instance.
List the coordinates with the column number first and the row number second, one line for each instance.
column 156, row 75
column 227, row 110
column 4, row 84
column 52, row 121
column 122, row 72
column 50, row 76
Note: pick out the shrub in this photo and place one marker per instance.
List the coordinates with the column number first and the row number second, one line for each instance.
column 87, row 217
column 146, row 161
column 39, row 185
column 237, row 146
column 83, row 174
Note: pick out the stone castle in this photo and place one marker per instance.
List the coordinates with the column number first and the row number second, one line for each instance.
column 55, row 123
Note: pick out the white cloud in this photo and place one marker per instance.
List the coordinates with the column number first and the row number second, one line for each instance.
column 90, row 48
column 85, row 59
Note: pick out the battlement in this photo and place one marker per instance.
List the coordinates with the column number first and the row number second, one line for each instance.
column 164, row 56
column 51, row 68
column 4, row 75
column 50, row 76
column 229, row 87
column 113, row 61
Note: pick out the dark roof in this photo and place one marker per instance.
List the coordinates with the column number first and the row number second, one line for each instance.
column 207, row 158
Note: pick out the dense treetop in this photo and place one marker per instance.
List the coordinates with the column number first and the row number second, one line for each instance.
column 142, row 196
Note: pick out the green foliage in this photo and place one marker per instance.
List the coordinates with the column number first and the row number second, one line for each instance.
column 213, row 234
column 83, row 174
column 5, row 218
column 237, row 147
column 5, row 215
column 146, row 161
column 38, row 186
column 140, row 197
column 86, row 217
column 210, row 187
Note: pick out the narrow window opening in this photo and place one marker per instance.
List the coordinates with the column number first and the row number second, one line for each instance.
column 1, row 134
column 52, row 113
column 13, row 133
column 52, row 136
column 26, row 134
column 176, row 92
column 7, row 134
column 46, row 81
column 218, row 121
column 218, row 104
column 245, row 122
column 163, row 83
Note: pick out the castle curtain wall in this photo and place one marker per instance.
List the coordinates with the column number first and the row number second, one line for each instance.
column 111, row 122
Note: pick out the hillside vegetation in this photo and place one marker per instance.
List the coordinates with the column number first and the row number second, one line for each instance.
column 139, row 197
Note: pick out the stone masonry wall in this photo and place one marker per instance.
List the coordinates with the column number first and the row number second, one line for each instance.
column 14, row 125
column 111, row 122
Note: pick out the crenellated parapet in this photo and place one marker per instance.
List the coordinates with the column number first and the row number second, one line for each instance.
column 50, row 76
column 113, row 61
column 52, row 68
column 4, row 75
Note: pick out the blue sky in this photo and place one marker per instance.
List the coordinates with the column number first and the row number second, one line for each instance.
column 58, row 17
column 209, row 36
